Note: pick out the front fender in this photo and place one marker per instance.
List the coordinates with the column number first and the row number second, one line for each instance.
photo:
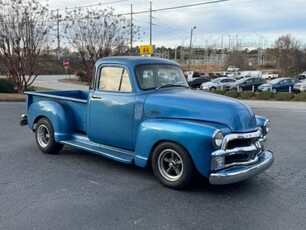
column 60, row 116
column 195, row 137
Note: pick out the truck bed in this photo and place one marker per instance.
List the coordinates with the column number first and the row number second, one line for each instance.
column 74, row 102
column 73, row 95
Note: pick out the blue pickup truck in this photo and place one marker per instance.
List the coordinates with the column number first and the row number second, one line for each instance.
column 140, row 110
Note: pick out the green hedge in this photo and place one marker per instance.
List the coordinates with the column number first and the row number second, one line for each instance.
column 283, row 96
column 221, row 92
column 300, row 97
column 232, row 93
column 7, row 86
column 264, row 95
column 247, row 95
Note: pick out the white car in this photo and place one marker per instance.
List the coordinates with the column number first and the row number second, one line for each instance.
column 217, row 84
column 232, row 69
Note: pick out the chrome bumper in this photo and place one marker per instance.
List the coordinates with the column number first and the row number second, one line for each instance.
column 240, row 173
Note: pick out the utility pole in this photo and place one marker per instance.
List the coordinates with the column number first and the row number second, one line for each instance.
column 131, row 30
column 221, row 50
column 150, row 23
column 190, row 46
column 58, row 37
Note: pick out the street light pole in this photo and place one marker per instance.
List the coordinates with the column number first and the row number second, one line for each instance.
column 190, row 46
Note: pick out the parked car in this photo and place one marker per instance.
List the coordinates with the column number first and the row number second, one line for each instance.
column 192, row 74
column 269, row 76
column 279, row 85
column 302, row 76
column 246, row 84
column 232, row 69
column 197, row 82
column 219, row 83
column 300, row 87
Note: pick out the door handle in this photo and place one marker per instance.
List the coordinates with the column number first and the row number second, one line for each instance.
column 95, row 97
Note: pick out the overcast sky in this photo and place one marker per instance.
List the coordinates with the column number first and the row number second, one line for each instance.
column 246, row 21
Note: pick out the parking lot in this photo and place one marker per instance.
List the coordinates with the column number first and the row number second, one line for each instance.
column 79, row 190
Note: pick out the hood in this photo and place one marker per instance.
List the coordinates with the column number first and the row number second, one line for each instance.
column 200, row 106
column 265, row 85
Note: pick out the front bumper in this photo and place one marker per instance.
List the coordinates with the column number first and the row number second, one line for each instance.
column 240, row 173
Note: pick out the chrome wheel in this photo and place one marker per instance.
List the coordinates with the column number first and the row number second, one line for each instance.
column 170, row 165
column 43, row 136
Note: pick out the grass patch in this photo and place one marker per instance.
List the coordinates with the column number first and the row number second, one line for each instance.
column 221, row 92
column 232, row 93
column 283, row 96
column 247, row 95
column 12, row 97
column 266, row 95
column 300, row 97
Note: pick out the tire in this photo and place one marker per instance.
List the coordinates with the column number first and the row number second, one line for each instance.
column 44, row 136
column 172, row 165
column 212, row 89
column 274, row 90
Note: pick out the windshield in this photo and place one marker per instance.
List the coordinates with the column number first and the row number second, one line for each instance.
column 275, row 81
column 241, row 80
column 217, row 80
column 157, row 76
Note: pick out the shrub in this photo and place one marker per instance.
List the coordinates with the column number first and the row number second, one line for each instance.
column 221, row 92
column 81, row 75
column 284, row 96
column 232, row 93
column 31, row 88
column 266, row 95
column 7, row 86
column 300, row 97
column 246, row 95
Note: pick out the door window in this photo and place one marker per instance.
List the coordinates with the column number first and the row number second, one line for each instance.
column 114, row 79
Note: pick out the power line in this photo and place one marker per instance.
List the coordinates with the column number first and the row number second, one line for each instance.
column 92, row 5
column 177, row 7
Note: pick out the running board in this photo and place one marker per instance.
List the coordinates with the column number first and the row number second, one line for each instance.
column 81, row 142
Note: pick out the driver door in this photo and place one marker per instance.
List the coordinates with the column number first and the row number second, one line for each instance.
column 112, row 108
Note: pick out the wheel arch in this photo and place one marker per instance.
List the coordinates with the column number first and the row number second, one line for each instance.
column 61, row 118
column 194, row 137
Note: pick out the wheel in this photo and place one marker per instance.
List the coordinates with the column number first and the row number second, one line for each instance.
column 172, row 165
column 44, row 136
column 274, row 90
column 212, row 89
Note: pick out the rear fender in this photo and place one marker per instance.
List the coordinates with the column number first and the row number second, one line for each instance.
column 195, row 137
column 60, row 116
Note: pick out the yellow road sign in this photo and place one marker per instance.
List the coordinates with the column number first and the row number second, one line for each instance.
column 146, row 49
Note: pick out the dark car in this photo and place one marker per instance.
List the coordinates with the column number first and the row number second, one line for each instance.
column 279, row 85
column 197, row 82
column 247, row 84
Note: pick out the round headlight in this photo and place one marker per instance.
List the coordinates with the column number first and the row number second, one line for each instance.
column 217, row 138
column 267, row 126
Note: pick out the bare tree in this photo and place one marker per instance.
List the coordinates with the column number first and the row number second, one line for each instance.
column 23, row 29
column 289, row 55
column 97, row 33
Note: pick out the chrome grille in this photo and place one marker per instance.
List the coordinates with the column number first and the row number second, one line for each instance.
column 239, row 149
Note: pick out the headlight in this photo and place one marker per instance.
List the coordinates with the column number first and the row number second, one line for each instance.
column 267, row 126
column 217, row 138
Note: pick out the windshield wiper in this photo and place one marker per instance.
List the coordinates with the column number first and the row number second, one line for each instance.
column 170, row 85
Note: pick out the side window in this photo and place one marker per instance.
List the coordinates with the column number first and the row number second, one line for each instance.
column 114, row 79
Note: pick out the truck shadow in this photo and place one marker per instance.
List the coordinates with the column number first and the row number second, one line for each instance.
column 98, row 164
